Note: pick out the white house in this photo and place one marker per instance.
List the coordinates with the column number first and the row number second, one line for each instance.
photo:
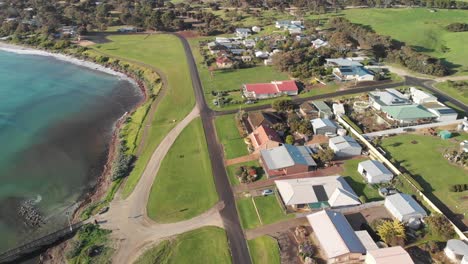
column 353, row 73
column 387, row 97
column 318, row 43
column 374, row 171
column 340, row 62
column 420, row 97
column 249, row 43
column 338, row 109
column 404, row 208
column 388, row 255
column 345, row 146
column 262, row 54
column 256, row 29
column 456, row 250
column 322, row 126
column 243, row 32
column 441, row 111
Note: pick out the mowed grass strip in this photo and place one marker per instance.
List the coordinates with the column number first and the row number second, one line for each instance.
column 357, row 182
column 228, row 135
column 207, row 245
column 184, row 186
column 248, row 215
column 270, row 210
column 460, row 94
column 421, row 29
column 166, row 53
column 423, row 157
column 264, row 249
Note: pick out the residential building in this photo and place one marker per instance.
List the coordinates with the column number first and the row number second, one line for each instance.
column 249, row 43
column 388, row 97
column 294, row 27
column 464, row 260
column 224, row 62
column 256, row 119
column 408, row 114
column 336, row 237
column 308, row 111
column 338, row 109
column 318, row 43
column 262, row 54
column 441, row 111
column 243, row 32
column 420, row 97
column 322, row 126
column 353, row 73
column 265, row 137
column 324, row 110
column 270, row 90
column 316, row 192
column 246, row 58
column 404, row 208
column 374, row 171
column 456, row 250
column 287, row 160
column 389, row 255
column 345, row 146
column 340, row 62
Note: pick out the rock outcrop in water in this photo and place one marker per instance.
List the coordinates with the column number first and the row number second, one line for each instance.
column 31, row 216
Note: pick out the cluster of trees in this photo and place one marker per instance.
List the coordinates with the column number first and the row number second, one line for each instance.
column 457, row 27
column 392, row 232
column 122, row 163
column 459, row 187
column 246, row 174
column 324, row 155
column 438, row 225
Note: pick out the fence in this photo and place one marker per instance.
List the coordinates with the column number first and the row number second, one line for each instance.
column 375, row 153
column 401, row 130
column 355, row 209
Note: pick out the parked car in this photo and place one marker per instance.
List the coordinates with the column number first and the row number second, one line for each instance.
column 267, row 192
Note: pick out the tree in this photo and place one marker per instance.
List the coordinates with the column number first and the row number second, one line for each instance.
column 392, row 232
column 439, row 225
column 325, row 155
column 289, row 139
column 282, row 105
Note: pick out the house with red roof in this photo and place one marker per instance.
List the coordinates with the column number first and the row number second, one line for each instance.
column 270, row 90
column 265, row 137
column 224, row 62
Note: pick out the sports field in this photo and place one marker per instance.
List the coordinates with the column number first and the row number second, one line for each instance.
column 421, row 29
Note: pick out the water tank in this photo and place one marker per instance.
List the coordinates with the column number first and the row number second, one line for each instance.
column 342, row 132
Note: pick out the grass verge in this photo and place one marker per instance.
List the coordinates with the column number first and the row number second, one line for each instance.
column 264, row 249
column 247, row 213
column 269, row 209
column 228, row 135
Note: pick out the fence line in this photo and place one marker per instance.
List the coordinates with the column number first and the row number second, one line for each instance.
column 374, row 152
column 401, row 130
column 357, row 208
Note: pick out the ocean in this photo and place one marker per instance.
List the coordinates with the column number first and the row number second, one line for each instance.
column 56, row 123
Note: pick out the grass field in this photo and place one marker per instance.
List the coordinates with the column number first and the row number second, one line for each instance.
column 461, row 94
column 425, row 162
column 184, row 186
column 264, row 249
column 421, row 29
column 207, row 245
column 247, row 214
column 231, row 79
column 231, row 170
column 357, row 182
column 270, row 210
column 166, row 53
column 228, row 135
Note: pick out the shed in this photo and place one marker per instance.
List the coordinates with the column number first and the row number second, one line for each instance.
column 444, row 134
column 321, row 126
column 456, row 249
column 338, row 109
column 388, row 255
column 404, row 208
column 345, row 146
column 323, row 108
column 374, row 171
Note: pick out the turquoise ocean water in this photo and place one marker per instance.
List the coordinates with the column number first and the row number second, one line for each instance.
column 56, row 122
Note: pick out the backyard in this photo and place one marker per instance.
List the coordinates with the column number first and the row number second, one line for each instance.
column 166, row 53
column 231, row 171
column 205, row 245
column 421, row 29
column 187, row 169
column 269, row 211
column 264, row 249
column 228, row 135
column 357, row 181
column 423, row 157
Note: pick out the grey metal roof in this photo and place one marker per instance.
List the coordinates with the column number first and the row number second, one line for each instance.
column 286, row 156
column 458, row 247
column 322, row 122
column 343, row 62
column 389, row 97
column 243, row 30
column 404, row 204
column 374, row 167
column 322, row 107
column 344, row 142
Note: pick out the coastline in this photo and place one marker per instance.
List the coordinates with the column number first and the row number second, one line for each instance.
column 99, row 190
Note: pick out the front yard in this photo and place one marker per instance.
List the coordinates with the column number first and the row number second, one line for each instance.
column 269, row 211
column 423, row 157
column 228, row 135
column 231, row 171
column 357, row 182
column 264, row 249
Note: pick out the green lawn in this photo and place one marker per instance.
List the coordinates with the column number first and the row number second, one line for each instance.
column 201, row 246
column 228, row 135
column 264, row 249
column 231, row 79
column 247, row 213
column 231, row 171
column 425, row 162
column 420, row 28
column 166, row 53
column 184, row 186
column 270, row 210
column 357, row 182
column 458, row 93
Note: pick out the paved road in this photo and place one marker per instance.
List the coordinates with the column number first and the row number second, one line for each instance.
column 235, row 234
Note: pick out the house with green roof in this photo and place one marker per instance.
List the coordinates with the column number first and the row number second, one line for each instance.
column 408, row 114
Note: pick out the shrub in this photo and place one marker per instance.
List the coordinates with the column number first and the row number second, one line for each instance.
column 122, row 163
column 457, row 27
column 392, row 232
column 439, row 225
column 289, row 139
column 363, row 199
column 282, row 105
